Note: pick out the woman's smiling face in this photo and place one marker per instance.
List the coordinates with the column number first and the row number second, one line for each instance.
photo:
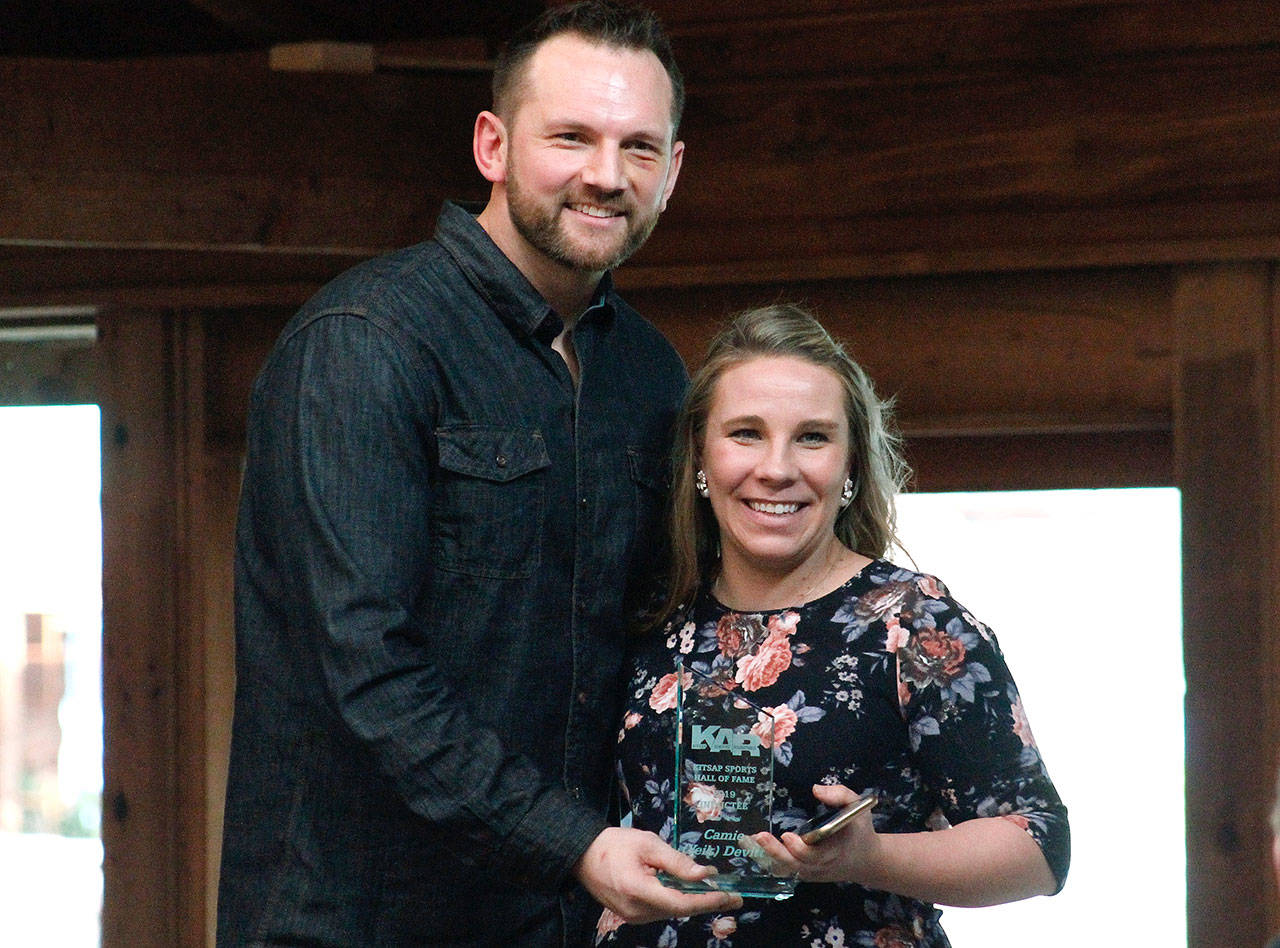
column 776, row 452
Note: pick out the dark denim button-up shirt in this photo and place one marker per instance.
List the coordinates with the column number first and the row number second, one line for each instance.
column 438, row 534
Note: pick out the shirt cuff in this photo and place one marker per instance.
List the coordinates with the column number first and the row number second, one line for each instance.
column 546, row 844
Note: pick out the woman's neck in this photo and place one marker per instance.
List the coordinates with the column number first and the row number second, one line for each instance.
column 748, row 587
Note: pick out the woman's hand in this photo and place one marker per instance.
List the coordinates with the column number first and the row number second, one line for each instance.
column 848, row 855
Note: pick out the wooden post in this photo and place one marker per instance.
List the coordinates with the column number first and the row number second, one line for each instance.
column 1226, row 419
column 155, row 789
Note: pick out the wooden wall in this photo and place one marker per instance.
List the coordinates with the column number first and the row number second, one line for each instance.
column 831, row 138
column 826, row 140
column 1050, row 228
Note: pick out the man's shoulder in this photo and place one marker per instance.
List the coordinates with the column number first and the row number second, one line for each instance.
column 402, row 292
column 383, row 283
column 641, row 334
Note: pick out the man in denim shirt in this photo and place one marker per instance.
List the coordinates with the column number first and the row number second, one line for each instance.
column 453, row 480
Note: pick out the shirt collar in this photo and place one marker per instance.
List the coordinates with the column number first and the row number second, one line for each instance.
column 500, row 281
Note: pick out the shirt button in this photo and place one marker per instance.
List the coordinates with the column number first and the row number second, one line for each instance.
column 575, row 792
column 501, row 460
column 582, row 502
column 582, row 697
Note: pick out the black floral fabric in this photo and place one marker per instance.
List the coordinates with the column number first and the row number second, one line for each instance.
column 886, row 685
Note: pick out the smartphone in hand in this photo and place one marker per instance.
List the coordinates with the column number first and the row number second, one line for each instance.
column 820, row 827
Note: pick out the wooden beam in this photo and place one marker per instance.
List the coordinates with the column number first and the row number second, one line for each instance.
column 1271, row 643
column 1153, row 159
column 466, row 54
column 151, row 276
column 1227, row 420
column 141, row 835
column 222, row 494
column 1069, row 352
column 220, row 152
column 897, row 39
column 159, row 569
column 803, row 254
column 1165, row 157
column 192, row 643
column 353, row 58
column 1028, row 461
column 1038, row 353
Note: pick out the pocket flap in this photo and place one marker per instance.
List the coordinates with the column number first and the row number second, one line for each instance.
column 649, row 468
column 492, row 453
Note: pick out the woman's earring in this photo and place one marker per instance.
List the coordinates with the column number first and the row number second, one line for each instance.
column 700, row 483
column 846, row 494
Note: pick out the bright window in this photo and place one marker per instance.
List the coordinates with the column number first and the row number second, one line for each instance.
column 50, row 676
column 1083, row 591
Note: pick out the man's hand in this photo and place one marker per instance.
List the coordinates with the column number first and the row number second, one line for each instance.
column 620, row 869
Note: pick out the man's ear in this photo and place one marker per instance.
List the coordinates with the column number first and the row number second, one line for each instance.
column 489, row 147
column 673, row 172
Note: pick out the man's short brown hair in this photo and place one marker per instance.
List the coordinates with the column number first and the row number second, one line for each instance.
column 607, row 22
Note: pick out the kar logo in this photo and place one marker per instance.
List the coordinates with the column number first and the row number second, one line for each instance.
column 716, row 738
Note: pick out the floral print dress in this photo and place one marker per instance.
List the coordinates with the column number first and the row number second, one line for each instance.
column 886, row 685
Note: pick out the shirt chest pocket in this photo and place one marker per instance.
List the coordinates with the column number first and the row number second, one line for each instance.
column 488, row 502
column 649, row 477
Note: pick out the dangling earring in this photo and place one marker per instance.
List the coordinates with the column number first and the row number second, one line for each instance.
column 846, row 494
column 700, row 483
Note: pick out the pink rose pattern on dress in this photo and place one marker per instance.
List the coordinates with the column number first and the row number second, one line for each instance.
column 897, row 637
column 610, row 921
column 784, row 725
column 707, row 801
column 895, row 936
column 732, row 632
column 1021, row 726
column 883, row 601
column 930, row 586
column 892, row 655
column 1018, row 820
column 763, row 668
column 933, row 657
column 664, row 692
column 722, row 926
column 784, row 623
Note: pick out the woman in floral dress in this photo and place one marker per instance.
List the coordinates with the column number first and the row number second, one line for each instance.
column 878, row 681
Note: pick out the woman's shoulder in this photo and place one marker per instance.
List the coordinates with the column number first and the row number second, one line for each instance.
column 887, row 585
column 891, row 598
column 885, row 570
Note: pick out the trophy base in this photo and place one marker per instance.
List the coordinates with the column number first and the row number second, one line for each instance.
column 749, row 887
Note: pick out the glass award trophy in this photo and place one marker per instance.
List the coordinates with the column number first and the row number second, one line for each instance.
column 723, row 787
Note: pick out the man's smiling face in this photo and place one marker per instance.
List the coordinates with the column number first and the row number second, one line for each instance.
column 590, row 160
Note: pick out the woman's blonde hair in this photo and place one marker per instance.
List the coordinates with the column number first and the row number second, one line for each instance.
column 866, row 525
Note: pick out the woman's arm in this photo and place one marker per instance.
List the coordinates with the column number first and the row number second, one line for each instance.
column 972, row 750
column 983, row 861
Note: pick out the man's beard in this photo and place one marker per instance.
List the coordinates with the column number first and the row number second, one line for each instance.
column 541, row 226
